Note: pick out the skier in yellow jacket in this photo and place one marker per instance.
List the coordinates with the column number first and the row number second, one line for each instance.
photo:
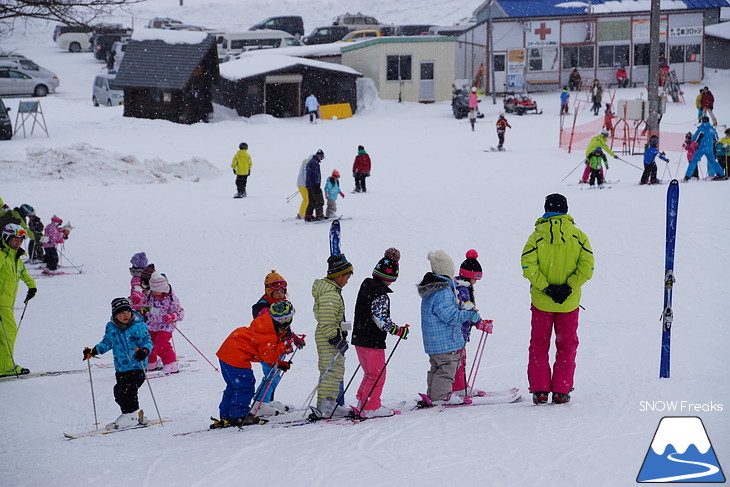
column 242, row 169
column 12, row 270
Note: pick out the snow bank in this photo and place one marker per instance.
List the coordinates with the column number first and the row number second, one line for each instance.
column 85, row 161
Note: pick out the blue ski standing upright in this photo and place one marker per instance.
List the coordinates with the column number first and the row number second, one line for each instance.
column 335, row 238
column 667, row 314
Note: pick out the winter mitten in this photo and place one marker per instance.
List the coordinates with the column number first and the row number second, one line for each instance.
column 485, row 326
column 342, row 194
column 400, row 331
column 474, row 317
column 234, row 171
column 298, row 340
column 558, row 292
column 340, row 344
column 169, row 318
column 90, row 352
column 140, row 354
column 31, row 292
column 284, row 365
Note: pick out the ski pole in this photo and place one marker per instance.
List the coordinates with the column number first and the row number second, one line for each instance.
column 571, row 172
column 321, row 378
column 93, row 398
column 627, row 162
column 63, row 255
column 22, row 315
column 382, row 371
column 154, row 401
column 196, row 348
column 479, row 354
column 269, row 383
column 292, row 196
column 342, row 394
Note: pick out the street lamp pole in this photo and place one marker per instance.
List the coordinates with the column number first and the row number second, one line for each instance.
column 489, row 53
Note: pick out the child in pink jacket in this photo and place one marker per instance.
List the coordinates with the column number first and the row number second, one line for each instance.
column 690, row 146
column 164, row 312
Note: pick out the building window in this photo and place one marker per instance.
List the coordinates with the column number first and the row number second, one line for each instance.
column 542, row 59
column 427, row 71
column 676, row 54
column 398, row 68
column 692, row 53
column 578, row 57
column 499, row 62
column 613, row 56
column 641, row 53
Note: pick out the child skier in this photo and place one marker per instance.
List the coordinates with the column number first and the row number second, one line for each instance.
column 331, row 191
column 126, row 335
column 441, row 321
column 137, row 294
column 502, row 125
column 265, row 405
column 372, row 325
column 470, row 272
column 241, row 166
column 691, row 146
column 564, row 101
column 472, row 117
column 164, row 312
column 361, row 169
column 650, row 154
column 608, row 119
column 264, row 340
column 52, row 236
column 595, row 162
column 723, row 151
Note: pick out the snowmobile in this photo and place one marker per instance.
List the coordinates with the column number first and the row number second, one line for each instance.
column 460, row 104
column 520, row 104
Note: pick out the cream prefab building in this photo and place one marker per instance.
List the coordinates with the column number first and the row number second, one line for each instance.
column 408, row 68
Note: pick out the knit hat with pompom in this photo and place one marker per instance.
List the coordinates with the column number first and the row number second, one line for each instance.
column 441, row 263
column 387, row 268
column 470, row 268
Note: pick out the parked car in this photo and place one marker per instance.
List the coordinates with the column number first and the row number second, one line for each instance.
column 160, row 22
column 292, row 24
column 447, row 30
column 412, row 30
column 358, row 35
column 191, row 27
column 16, row 82
column 356, row 21
column 73, row 38
column 105, row 93
column 103, row 43
column 22, row 63
column 326, row 34
column 234, row 43
column 6, row 126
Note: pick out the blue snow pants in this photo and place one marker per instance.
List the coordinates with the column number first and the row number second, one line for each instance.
column 272, row 376
column 712, row 164
column 240, row 383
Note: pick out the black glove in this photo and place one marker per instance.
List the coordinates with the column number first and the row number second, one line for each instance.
column 31, row 292
column 90, row 352
column 234, row 171
column 284, row 365
column 558, row 292
column 615, row 157
column 340, row 344
column 141, row 354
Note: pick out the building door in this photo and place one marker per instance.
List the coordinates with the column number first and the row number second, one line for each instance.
column 500, row 73
column 282, row 95
column 427, row 88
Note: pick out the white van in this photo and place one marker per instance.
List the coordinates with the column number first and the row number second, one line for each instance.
column 233, row 43
column 105, row 93
column 74, row 41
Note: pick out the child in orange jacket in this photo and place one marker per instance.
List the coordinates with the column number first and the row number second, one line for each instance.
column 266, row 339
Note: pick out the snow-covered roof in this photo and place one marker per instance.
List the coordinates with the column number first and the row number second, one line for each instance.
column 306, row 51
column 718, row 30
column 169, row 36
column 637, row 6
column 544, row 8
column 261, row 63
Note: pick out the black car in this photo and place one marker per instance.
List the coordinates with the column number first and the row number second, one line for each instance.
column 6, row 127
column 326, row 34
column 412, row 30
column 292, row 24
column 102, row 44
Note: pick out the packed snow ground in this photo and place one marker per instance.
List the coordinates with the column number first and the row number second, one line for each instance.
column 432, row 186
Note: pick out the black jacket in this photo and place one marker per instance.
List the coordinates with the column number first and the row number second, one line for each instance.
column 365, row 332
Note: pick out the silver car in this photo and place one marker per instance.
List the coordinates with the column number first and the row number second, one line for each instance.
column 21, row 76
column 105, row 93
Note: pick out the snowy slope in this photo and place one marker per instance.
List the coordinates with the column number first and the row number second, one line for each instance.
column 132, row 185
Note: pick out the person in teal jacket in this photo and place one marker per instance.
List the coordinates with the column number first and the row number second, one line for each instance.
column 12, row 270
column 127, row 336
column 557, row 260
column 705, row 136
column 332, row 191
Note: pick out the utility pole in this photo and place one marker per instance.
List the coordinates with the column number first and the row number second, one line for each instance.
column 652, row 122
column 490, row 53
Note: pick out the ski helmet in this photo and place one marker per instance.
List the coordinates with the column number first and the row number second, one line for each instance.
column 320, row 154
column 473, row 89
column 705, row 119
column 282, row 312
column 26, row 209
column 243, row 146
column 653, row 140
column 688, row 135
column 14, row 230
column 604, row 132
column 598, row 150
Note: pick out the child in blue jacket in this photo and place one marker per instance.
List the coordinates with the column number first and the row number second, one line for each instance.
column 331, row 191
column 650, row 154
column 127, row 336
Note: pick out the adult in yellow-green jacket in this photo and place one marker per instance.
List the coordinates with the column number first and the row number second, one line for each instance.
column 12, row 270
column 557, row 260
column 242, row 169
column 600, row 140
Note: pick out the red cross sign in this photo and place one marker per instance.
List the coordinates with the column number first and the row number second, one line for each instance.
column 542, row 31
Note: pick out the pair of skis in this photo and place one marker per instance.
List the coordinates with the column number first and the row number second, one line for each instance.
column 667, row 313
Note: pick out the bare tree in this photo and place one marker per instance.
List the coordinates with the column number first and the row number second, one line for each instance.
column 71, row 12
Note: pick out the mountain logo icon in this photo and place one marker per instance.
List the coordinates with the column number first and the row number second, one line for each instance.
column 680, row 452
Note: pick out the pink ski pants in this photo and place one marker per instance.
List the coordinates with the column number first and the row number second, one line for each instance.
column 161, row 347
column 372, row 361
column 566, row 344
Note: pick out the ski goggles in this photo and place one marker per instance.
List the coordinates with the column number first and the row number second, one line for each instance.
column 20, row 233
column 277, row 285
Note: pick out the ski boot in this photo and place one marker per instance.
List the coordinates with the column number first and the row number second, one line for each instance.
column 219, row 423
column 540, row 397
column 560, row 397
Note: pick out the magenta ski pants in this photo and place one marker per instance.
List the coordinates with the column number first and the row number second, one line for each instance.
column 372, row 361
column 162, row 347
column 566, row 344
column 587, row 173
column 460, row 383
